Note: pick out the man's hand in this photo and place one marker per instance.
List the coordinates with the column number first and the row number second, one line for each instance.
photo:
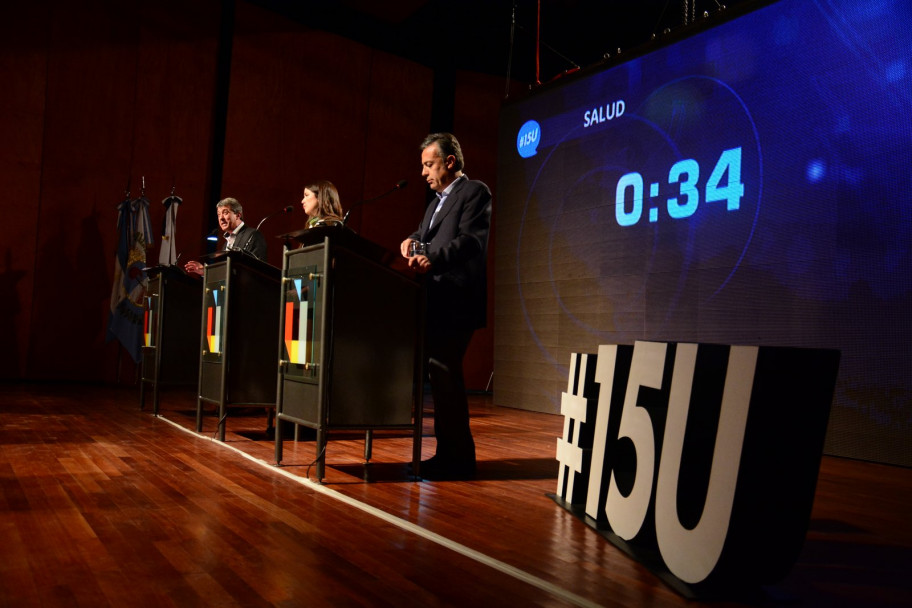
column 194, row 267
column 419, row 263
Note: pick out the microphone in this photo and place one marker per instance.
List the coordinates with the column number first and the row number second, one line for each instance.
column 287, row 209
column 399, row 186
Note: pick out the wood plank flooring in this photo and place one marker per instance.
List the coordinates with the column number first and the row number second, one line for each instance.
column 102, row 504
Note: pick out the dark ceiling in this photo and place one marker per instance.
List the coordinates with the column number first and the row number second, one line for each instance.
column 499, row 36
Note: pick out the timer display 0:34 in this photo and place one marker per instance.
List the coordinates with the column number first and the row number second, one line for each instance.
column 686, row 174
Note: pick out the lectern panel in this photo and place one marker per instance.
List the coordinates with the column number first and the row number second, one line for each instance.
column 148, row 364
column 210, row 384
column 352, row 340
column 301, row 343
column 301, row 402
column 171, row 327
column 238, row 338
column 376, row 317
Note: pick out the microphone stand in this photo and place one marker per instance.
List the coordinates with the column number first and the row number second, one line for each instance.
column 399, row 186
column 287, row 209
column 246, row 248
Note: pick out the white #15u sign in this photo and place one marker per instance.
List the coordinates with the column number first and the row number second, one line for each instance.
column 699, row 460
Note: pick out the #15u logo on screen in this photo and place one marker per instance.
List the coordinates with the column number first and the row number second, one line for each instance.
column 528, row 138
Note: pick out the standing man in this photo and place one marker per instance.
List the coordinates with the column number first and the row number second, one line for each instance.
column 455, row 234
column 238, row 235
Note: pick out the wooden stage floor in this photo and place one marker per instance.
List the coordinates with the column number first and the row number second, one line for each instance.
column 102, row 504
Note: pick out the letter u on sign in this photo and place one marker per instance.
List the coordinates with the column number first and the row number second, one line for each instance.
column 721, row 444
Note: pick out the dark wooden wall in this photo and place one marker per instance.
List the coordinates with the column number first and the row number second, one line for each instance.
column 99, row 94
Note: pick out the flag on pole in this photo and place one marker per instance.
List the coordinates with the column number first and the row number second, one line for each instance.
column 130, row 281
column 167, row 253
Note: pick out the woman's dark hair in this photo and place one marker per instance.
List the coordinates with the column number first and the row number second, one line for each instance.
column 330, row 206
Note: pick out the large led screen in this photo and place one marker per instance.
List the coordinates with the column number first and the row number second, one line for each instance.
column 750, row 183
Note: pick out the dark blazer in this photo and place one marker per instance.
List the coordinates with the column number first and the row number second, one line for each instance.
column 458, row 249
column 252, row 241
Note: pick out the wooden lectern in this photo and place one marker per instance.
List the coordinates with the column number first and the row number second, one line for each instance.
column 239, row 326
column 351, row 343
column 171, row 326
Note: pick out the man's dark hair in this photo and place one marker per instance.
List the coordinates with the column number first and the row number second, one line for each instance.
column 233, row 205
column 447, row 145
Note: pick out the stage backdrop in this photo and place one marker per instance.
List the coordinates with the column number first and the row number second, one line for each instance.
column 101, row 95
column 744, row 184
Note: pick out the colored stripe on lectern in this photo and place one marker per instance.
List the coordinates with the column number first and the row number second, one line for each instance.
column 291, row 345
column 147, row 335
column 213, row 325
column 296, row 326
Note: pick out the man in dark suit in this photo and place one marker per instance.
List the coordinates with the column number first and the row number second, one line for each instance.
column 238, row 235
column 454, row 236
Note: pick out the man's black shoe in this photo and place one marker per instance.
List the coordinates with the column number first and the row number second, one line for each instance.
column 436, row 469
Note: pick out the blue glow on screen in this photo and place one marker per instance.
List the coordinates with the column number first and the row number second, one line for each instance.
column 816, row 171
column 748, row 184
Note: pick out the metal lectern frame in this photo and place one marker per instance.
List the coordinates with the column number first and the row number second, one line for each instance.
column 237, row 338
column 170, row 330
column 351, row 342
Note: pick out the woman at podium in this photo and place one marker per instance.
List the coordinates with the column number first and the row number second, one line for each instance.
column 321, row 204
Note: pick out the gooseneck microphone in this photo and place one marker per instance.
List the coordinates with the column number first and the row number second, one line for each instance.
column 287, row 209
column 399, row 186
